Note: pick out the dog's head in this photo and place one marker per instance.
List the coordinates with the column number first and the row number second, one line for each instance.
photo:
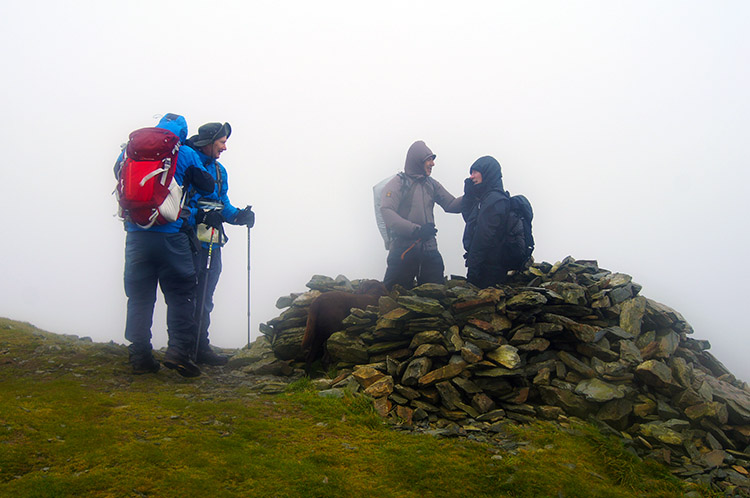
column 372, row 288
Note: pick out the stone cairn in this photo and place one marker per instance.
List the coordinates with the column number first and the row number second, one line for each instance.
column 563, row 340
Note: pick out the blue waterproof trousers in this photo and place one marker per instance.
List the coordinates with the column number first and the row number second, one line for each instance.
column 165, row 259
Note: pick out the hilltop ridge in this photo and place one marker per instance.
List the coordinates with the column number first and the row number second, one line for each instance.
column 75, row 421
column 560, row 343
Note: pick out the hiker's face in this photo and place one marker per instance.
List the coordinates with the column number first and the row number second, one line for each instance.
column 218, row 147
column 428, row 165
column 476, row 177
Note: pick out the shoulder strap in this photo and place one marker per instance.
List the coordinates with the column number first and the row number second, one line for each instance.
column 407, row 188
column 219, row 179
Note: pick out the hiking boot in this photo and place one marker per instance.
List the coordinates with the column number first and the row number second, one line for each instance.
column 144, row 364
column 182, row 363
column 208, row 357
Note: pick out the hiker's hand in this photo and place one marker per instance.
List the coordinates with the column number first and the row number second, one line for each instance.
column 199, row 178
column 246, row 217
column 470, row 188
column 213, row 219
column 426, row 231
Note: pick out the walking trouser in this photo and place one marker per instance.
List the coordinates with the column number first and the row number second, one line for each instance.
column 406, row 265
column 487, row 275
column 165, row 259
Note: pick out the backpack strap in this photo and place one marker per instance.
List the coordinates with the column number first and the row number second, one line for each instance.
column 407, row 188
column 219, row 179
column 153, row 174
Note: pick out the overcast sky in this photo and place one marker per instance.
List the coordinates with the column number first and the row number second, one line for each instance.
column 625, row 123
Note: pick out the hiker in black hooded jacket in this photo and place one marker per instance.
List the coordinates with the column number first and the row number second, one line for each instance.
column 485, row 211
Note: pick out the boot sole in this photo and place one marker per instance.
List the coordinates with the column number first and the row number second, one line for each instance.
column 182, row 369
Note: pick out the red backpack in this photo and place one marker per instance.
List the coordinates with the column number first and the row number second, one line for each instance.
column 146, row 190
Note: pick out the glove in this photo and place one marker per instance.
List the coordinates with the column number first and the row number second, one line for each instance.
column 211, row 218
column 199, row 178
column 469, row 188
column 426, row 232
column 246, row 217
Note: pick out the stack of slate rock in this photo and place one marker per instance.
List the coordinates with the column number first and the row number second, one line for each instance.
column 563, row 340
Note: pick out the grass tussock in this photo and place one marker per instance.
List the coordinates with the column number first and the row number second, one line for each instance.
column 75, row 422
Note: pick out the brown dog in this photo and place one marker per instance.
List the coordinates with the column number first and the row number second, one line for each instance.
column 327, row 312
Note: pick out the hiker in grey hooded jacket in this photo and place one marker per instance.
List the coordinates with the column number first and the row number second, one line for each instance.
column 407, row 208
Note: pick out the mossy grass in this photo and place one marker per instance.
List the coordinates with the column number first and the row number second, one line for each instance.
column 75, row 422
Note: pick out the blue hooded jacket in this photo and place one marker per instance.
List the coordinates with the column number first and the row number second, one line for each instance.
column 219, row 195
column 485, row 211
column 186, row 158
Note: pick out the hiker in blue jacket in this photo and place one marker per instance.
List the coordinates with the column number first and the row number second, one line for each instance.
column 209, row 213
column 161, row 255
column 485, row 211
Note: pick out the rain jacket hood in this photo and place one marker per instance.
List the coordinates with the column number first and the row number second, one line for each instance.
column 176, row 124
column 416, row 156
column 492, row 176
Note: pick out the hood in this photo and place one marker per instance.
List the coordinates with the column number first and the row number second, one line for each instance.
column 416, row 156
column 492, row 176
column 176, row 124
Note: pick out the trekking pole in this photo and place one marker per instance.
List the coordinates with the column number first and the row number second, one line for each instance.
column 248, row 286
column 203, row 296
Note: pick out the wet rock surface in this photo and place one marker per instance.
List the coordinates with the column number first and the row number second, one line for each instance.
column 558, row 341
